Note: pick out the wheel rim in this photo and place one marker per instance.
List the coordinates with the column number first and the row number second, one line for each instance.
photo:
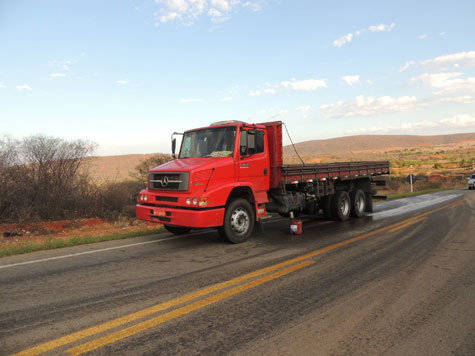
column 240, row 221
column 344, row 207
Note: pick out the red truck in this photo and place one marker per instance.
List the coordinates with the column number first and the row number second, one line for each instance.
column 229, row 175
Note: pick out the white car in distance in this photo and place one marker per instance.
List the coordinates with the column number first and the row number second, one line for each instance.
column 471, row 182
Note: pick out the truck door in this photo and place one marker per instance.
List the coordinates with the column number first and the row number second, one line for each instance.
column 254, row 159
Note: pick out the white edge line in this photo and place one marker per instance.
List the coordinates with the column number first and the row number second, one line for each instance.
column 106, row 249
column 89, row 252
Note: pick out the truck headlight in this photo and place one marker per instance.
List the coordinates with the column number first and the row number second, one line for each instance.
column 203, row 202
column 188, row 201
column 195, row 201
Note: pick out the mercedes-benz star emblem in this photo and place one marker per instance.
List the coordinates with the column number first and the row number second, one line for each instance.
column 164, row 181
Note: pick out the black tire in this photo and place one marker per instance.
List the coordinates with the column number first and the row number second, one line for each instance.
column 178, row 230
column 238, row 221
column 326, row 207
column 341, row 205
column 358, row 203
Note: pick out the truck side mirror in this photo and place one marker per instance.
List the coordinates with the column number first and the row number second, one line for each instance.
column 173, row 147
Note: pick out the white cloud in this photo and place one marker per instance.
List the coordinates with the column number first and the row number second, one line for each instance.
column 406, row 66
column 437, row 80
column 2, row 85
column 279, row 114
column 461, row 59
column 369, row 106
column 57, row 75
column 463, row 120
column 304, row 85
column 343, row 40
column 448, row 83
column 444, row 62
column 349, row 36
column 188, row 11
column 423, row 36
column 229, row 98
column 223, row 5
column 304, row 110
column 293, row 84
column 62, row 65
column 24, row 87
column 463, row 99
column 382, row 28
column 457, row 121
column 254, row 6
column 122, row 81
column 191, row 100
column 214, row 13
column 351, row 79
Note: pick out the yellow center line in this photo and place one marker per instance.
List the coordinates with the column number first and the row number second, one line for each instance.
column 456, row 204
column 408, row 224
column 51, row 345
column 97, row 329
column 132, row 330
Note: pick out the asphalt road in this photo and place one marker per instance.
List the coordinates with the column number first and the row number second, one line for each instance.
column 400, row 282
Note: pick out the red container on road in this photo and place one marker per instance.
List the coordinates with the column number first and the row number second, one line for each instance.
column 295, row 227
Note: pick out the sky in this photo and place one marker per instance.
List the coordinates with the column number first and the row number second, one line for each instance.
column 127, row 74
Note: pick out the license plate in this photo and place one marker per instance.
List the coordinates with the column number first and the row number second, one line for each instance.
column 159, row 212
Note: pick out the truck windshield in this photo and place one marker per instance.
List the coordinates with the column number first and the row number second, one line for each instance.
column 213, row 142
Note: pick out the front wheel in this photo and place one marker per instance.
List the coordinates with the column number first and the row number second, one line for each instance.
column 177, row 230
column 238, row 221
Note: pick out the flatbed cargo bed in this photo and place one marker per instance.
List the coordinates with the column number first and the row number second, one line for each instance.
column 293, row 173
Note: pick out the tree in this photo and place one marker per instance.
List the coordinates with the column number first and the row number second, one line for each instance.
column 141, row 170
column 40, row 177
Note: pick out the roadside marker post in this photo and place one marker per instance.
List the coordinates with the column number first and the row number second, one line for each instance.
column 411, row 178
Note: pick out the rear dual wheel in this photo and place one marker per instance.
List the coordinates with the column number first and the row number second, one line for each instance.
column 340, row 205
column 358, row 203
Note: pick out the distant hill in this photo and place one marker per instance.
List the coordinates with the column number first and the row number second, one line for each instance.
column 364, row 147
column 115, row 168
column 372, row 143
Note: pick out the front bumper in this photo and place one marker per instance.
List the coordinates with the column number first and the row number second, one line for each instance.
column 471, row 185
column 199, row 218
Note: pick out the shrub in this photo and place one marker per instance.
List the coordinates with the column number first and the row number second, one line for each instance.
column 40, row 178
column 119, row 198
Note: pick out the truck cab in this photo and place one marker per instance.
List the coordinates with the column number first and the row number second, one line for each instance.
column 222, row 169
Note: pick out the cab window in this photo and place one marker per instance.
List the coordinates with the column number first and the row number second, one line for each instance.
column 252, row 142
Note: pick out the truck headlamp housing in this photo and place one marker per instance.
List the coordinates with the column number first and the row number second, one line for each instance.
column 195, row 201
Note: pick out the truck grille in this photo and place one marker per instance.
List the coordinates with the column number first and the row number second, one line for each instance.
column 168, row 181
